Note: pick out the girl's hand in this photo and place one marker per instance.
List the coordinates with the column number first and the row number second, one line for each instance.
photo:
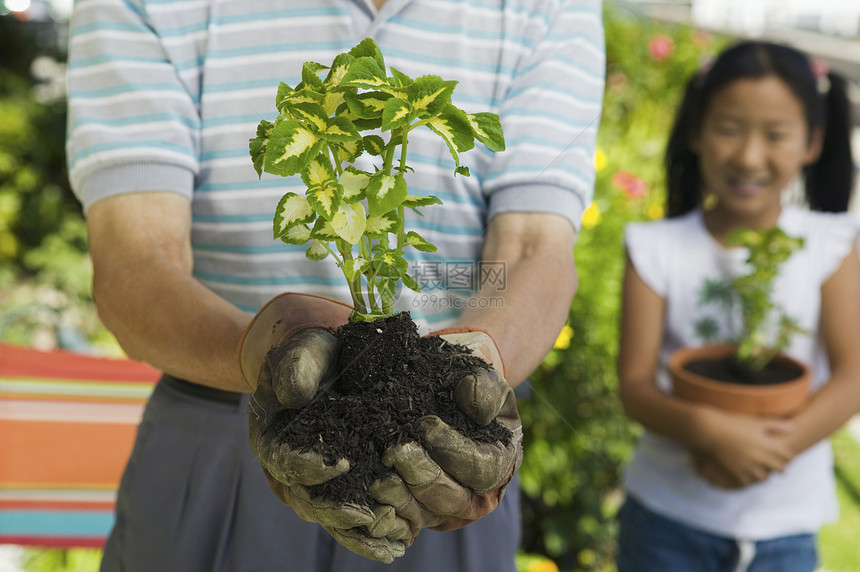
column 712, row 472
column 741, row 450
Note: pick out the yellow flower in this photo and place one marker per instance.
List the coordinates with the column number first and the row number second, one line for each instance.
column 591, row 216
column 8, row 245
column 587, row 557
column 655, row 211
column 542, row 566
column 562, row 342
column 600, row 160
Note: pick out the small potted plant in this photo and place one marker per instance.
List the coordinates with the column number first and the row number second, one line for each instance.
column 747, row 374
column 389, row 377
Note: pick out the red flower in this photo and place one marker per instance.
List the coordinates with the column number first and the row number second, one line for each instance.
column 660, row 47
column 633, row 186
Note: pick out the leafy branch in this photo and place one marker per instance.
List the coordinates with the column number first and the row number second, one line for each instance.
column 356, row 216
column 768, row 250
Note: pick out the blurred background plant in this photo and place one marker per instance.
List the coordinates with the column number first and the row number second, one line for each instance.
column 576, row 435
column 45, row 298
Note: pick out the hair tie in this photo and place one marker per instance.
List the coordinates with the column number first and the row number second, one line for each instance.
column 821, row 70
column 705, row 65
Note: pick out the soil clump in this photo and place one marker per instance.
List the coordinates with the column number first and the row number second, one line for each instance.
column 389, row 377
column 728, row 370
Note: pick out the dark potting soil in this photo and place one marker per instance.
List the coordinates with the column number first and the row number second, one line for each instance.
column 728, row 370
column 390, row 377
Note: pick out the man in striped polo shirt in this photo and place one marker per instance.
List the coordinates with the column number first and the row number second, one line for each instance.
column 163, row 97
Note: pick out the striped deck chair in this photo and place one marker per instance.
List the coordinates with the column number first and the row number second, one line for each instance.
column 67, row 425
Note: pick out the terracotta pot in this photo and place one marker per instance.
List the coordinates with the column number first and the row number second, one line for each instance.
column 778, row 399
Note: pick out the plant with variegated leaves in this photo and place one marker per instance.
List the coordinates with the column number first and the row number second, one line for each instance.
column 768, row 250
column 765, row 328
column 353, row 215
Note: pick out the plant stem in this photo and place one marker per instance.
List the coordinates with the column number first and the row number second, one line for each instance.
column 354, row 283
column 387, row 298
column 371, row 296
column 334, row 160
column 401, row 232
column 404, row 143
column 388, row 158
column 401, row 223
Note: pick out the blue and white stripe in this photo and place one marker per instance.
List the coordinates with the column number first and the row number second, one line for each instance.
column 175, row 89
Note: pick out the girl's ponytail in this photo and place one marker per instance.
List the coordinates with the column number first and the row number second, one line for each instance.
column 830, row 180
column 683, row 181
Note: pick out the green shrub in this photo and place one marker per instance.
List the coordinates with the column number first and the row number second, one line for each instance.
column 44, row 267
column 576, row 435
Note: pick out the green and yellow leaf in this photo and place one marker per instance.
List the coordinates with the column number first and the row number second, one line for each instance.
column 368, row 105
column 292, row 209
column 418, row 242
column 412, row 201
column 348, row 151
column 291, row 146
column 368, row 48
column 397, row 113
column 323, row 230
column 324, row 191
column 379, row 226
column 410, row 283
column 399, row 79
column 374, row 144
column 389, row 263
column 488, row 130
column 285, row 91
column 355, row 266
column 331, row 101
column 361, row 124
column 257, row 145
column 430, row 94
column 339, row 130
column 292, row 97
column 316, row 250
column 364, row 73
column 311, row 113
column 298, row 234
column 319, row 172
column 325, row 199
column 453, row 127
column 337, row 71
column 310, row 75
column 385, row 193
column 354, row 183
column 349, row 222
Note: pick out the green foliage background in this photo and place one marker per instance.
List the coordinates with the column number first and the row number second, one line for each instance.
column 45, row 274
column 576, row 436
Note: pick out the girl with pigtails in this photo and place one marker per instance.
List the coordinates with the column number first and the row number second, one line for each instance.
column 709, row 490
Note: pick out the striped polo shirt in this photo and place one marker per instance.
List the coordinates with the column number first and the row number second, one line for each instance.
column 165, row 94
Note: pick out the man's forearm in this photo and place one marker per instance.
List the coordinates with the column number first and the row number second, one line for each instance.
column 527, row 314
column 146, row 295
column 173, row 322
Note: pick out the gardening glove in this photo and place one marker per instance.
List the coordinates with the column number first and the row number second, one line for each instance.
column 456, row 481
column 287, row 354
column 374, row 532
